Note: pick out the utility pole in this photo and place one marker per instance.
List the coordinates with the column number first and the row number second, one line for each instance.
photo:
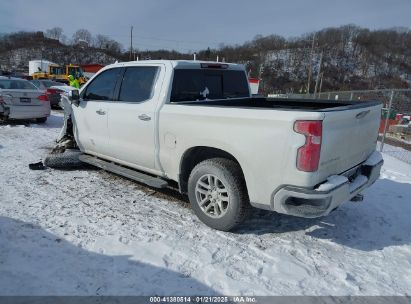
column 386, row 121
column 310, row 67
column 321, row 83
column 318, row 74
column 131, row 43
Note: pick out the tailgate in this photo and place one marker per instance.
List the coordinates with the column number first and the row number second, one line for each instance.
column 349, row 137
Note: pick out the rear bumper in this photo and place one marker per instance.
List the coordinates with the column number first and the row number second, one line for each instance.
column 326, row 197
column 26, row 112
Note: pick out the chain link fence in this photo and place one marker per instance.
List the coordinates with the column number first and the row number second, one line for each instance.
column 395, row 126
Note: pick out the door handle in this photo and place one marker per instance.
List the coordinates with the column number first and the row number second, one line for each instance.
column 144, row 117
column 101, row 112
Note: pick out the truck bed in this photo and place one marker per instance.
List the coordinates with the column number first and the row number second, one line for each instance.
column 341, row 119
column 312, row 105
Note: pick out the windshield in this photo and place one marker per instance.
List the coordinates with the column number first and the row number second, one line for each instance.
column 194, row 84
column 77, row 72
column 56, row 70
column 13, row 84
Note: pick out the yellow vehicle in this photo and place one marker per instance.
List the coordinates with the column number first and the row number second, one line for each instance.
column 61, row 73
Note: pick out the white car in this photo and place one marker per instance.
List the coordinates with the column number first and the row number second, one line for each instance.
column 20, row 99
column 195, row 126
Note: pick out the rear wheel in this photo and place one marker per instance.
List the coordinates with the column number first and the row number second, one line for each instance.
column 41, row 120
column 217, row 193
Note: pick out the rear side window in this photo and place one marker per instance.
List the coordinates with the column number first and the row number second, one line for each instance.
column 36, row 83
column 137, row 84
column 102, row 87
column 195, row 84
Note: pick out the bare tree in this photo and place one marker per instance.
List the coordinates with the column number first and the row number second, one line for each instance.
column 114, row 47
column 63, row 39
column 101, row 41
column 54, row 33
column 82, row 35
column 105, row 43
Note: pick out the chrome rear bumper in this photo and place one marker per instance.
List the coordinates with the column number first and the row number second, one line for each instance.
column 329, row 195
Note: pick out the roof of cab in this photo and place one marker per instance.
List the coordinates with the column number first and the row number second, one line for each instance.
column 193, row 64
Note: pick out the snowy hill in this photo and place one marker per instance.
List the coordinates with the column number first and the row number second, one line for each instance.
column 352, row 57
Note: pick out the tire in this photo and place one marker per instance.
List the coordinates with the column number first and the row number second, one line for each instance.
column 69, row 159
column 41, row 120
column 229, row 209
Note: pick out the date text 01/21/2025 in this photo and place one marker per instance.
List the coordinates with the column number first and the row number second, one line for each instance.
column 202, row 299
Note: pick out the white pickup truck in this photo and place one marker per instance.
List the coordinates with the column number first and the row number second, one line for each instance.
column 194, row 125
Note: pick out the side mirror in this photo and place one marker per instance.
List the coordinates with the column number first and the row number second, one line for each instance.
column 74, row 97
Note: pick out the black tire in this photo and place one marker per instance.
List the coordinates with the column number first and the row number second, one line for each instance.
column 229, row 173
column 41, row 120
column 69, row 159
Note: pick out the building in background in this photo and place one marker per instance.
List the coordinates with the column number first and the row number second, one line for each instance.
column 91, row 69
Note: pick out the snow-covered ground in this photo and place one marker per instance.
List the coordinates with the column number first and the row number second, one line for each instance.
column 397, row 152
column 88, row 232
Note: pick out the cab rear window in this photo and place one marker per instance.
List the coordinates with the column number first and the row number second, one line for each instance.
column 194, row 84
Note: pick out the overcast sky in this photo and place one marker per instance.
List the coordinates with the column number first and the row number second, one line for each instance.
column 191, row 25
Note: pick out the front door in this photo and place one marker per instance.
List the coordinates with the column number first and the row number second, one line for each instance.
column 91, row 116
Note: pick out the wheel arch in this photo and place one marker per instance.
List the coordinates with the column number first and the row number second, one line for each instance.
column 193, row 156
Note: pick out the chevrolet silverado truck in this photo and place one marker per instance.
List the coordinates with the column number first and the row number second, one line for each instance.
column 194, row 126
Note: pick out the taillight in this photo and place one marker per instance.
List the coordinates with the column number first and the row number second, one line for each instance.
column 43, row 97
column 308, row 156
column 52, row 91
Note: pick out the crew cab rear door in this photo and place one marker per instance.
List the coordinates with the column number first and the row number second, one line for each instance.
column 132, row 117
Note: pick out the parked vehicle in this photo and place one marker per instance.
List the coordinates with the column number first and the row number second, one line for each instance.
column 20, row 99
column 53, row 89
column 195, row 125
column 52, row 71
column 38, row 66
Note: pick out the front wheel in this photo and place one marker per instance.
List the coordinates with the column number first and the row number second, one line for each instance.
column 218, row 194
column 69, row 159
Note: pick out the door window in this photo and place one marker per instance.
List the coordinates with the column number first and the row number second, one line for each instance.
column 137, row 84
column 102, row 87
